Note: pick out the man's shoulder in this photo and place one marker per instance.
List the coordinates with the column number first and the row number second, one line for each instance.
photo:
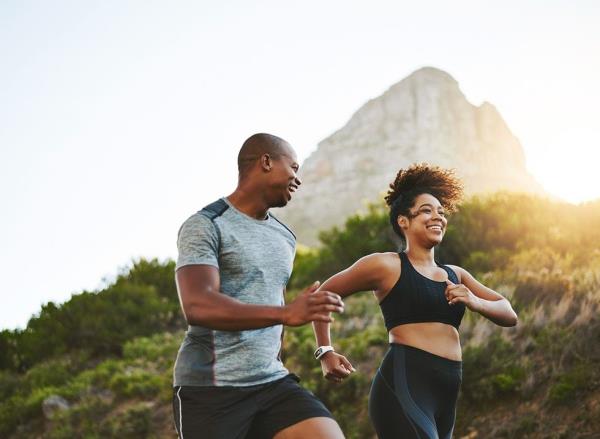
column 214, row 209
column 203, row 221
column 209, row 214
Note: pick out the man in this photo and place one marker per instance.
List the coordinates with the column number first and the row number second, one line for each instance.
column 235, row 259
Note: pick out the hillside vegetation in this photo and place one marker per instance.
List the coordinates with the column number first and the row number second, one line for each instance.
column 109, row 354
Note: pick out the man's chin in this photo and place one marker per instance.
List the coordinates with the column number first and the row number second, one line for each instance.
column 280, row 203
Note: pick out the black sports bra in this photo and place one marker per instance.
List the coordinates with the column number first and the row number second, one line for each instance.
column 417, row 299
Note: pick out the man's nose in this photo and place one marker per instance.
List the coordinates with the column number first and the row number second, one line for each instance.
column 298, row 181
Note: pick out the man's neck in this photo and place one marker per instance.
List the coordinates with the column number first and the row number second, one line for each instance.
column 247, row 202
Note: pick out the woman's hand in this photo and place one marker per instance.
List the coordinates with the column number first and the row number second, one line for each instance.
column 336, row 367
column 459, row 293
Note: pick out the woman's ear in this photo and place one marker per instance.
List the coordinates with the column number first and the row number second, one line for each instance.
column 402, row 221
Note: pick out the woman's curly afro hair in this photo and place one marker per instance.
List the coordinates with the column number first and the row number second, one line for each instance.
column 419, row 179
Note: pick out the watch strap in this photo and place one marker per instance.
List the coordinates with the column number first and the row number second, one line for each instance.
column 322, row 350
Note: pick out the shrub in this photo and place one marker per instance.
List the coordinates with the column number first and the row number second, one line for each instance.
column 133, row 423
column 154, row 348
column 136, row 383
column 569, row 384
column 9, row 384
column 491, row 371
column 52, row 373
column 84, row 420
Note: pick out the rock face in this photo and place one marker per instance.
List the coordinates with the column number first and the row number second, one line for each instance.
column 423, row 118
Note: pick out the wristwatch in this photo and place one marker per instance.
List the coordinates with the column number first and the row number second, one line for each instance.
column 322, row 350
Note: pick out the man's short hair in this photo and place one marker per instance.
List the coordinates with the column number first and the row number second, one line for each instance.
column 256, row 146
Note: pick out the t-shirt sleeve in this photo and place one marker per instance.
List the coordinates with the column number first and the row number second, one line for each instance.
column 197, row 242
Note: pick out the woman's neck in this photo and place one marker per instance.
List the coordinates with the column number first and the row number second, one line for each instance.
column 420, row 255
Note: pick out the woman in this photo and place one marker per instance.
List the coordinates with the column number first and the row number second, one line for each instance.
column 414, row 392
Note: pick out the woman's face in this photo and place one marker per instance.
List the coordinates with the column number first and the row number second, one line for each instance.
column 427, row 222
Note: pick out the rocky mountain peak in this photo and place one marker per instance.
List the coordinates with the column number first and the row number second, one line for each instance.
column 423, row 118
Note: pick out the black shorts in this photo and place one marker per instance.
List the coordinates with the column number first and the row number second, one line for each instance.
column 254, row 412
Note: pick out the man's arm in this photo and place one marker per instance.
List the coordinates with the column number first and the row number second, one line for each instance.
column 205, row 305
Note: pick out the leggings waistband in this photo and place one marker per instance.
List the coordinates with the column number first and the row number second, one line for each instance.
column 427, row 356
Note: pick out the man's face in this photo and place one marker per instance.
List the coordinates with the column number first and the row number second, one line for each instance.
column 283, row 178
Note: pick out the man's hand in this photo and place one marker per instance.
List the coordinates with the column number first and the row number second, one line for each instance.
column 312, row 305
column 336, row 367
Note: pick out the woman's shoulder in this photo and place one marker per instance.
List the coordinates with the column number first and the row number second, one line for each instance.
column 387, row 267
column 383, row 258
column 457, row 270
column 381, row 263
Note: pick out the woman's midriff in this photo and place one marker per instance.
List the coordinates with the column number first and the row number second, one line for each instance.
column 434, row 337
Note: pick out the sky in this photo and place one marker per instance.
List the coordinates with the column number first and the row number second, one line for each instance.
column 119, row 119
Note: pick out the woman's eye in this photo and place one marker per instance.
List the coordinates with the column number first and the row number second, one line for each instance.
column 442, row 213
column 425, row 210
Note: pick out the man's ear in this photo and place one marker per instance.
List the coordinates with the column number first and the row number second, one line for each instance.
column 266, row 162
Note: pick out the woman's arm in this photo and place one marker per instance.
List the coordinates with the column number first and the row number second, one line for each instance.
column 481, row 299
column 366, row 274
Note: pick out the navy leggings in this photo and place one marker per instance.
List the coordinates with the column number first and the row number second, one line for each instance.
column 414, row 394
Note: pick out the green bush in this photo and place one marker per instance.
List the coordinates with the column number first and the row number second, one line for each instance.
column 21, row 409
column 136, row 383
column 84, row 420
column 508, row 381
column 570, row 384
column 10, row 415
column 9, row 384
column 52, row 373
column 142, row 301
column 491, row 371
column 154, row 348
column 133, row 423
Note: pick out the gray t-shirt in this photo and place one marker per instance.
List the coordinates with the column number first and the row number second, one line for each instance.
column 254, row 258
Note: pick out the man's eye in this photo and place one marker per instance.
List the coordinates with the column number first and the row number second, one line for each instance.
column 425, row 210
column 442, row 213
